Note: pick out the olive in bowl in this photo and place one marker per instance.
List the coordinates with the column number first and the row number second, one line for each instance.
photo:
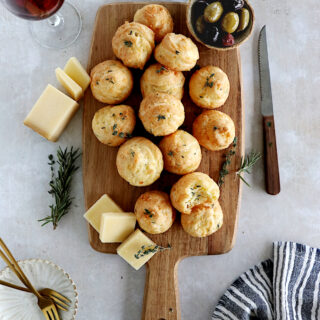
column 222, row 24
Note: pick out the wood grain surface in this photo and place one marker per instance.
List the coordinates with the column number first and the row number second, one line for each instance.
column 272, row 176
column 100, row 174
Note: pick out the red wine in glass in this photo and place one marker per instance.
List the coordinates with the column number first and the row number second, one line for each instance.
column 59, row 23
column 33, row 9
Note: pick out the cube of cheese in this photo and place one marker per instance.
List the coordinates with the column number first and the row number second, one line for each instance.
column 51, row 113
column 136, row 249
column 71, row 86
column 94, row 214
column 76, row 72
column 116, row 226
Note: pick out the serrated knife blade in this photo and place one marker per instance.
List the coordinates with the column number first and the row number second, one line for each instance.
column 269, row 132
column 264, row 71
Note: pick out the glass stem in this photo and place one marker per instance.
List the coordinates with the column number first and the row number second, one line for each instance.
column 56, row 20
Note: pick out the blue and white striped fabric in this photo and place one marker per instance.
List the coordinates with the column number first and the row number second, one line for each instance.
column 287, row 288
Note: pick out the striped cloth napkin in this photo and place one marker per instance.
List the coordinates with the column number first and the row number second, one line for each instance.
column 286, row 288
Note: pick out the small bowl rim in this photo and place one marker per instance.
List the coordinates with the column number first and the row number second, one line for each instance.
column 193, row 33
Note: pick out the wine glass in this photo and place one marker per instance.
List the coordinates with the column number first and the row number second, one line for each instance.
column 57, row 24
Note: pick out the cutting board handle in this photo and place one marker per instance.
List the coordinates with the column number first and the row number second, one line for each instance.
column 161, row 294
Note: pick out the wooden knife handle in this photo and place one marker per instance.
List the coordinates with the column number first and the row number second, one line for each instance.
column 161, row 295
column 271, row 156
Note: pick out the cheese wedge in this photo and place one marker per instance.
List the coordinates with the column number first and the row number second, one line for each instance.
column 136, row 249
column 104, row 204
column 116, row 226
column 51, row 113
column 71, row 86
column 76, row 72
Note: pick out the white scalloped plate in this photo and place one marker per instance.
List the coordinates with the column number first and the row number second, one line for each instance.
column 19, row 305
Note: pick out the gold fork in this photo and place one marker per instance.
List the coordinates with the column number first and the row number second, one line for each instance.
column 46, row 305
column 60, row 300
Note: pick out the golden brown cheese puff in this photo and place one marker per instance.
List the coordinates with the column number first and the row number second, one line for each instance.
column 139, row 161
column 112, row 125
column 154, row 212
column 157, row 18
column 159, row 79
column 161, row 114
column 181, row 152
column 192, row 190
column 209, row 87
column 214, row 130
column 111, row 82
column 203, row 220
column 177, row 52
column 133, row 44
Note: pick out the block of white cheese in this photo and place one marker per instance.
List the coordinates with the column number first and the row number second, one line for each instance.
column 70, row 85
column 51, row 113
column 76, row 72
column 104, row 204
column 116, row 226
column 137, row 249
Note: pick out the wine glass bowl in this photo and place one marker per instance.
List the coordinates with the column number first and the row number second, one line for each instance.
column 33, row 9
column 56, row 24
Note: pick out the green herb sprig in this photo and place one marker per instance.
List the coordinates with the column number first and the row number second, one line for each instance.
column 127, row 43
column 162, row 68
column 224, row 169
column 247, row 162
column 148, row 213
column 208, row 82
column 145, row 250
column 60, row 184
column 161, row 117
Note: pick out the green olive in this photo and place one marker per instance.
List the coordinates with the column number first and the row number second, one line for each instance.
column 200, row 25
column 230, row 22
column 244, row 19
column 213, row 12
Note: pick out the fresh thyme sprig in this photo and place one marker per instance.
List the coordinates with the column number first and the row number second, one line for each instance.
column 247, row 162
column 145, row 250
column 224, row 169
column 60, row 184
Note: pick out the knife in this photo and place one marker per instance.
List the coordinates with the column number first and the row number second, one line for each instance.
column 270, row 146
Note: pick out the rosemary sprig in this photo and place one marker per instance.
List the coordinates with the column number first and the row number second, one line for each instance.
column 145, row 250
column 224, row 169
column 60, row 184
column 247, row 162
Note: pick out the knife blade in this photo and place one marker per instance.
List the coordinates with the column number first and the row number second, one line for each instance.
column 272, row 176
column 264, row 71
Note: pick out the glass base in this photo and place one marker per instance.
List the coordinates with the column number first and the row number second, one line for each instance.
column 60, row 30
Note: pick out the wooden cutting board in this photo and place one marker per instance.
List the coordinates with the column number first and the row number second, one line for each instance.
column 100, row 174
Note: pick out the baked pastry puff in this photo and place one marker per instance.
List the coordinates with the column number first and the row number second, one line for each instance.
column 112, row 82
column 192, row 190
column 181, row 152
column 157, row 18
column 133, row 44
column 159, row 79
column 161, row 114
column 139, row 162
column 209, row 87
column 214, row 130
column 177, row 52
column 203, row 220
column 154, row 212
column 113, row 125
